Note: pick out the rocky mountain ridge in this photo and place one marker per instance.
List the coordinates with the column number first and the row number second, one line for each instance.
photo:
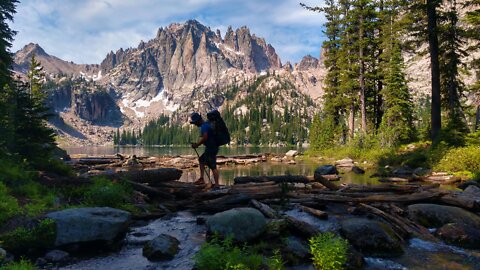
column 184, row 66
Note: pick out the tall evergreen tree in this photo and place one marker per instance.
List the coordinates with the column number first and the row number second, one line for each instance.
column 7, row 10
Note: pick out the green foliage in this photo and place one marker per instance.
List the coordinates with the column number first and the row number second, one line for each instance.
column 24, row 240
column 460, row 159
column 104, row 192
column 23, row 264
column 276, row 262
column 8, row 205
column 220, row 255
column 329, row 251
column 14, row 173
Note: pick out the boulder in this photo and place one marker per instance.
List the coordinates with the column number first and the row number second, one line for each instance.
column 297, row 247
column 3, row 255
column 82, row 225
column 435, row 216
column 291, row 153
column 358, row 170
column 345, row 163
column 403, row 171
column 472, row 192
column 326, row 170
column 243, row 224
column 57, row 256
column 371, row 237
column 468, row 183
column 460, row 234
column 163, row 247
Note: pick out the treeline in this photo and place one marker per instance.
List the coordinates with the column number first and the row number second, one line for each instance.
column 366, row 93
column 268, row 116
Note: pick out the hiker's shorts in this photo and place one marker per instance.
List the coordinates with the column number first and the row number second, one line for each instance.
column 209, row 157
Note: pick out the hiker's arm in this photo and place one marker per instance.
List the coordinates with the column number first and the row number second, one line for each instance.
column 202, row 140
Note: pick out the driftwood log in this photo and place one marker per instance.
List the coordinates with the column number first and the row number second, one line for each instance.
column 318, row 213
column 325, row 182
column 276, row 179
column 265, row 209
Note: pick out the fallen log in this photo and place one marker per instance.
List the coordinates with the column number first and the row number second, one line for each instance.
column 276, row 179
column 332, row 177
column 266, row 210
column 222, row 204
column 151, row 176
column 423, row 196
column 324, row 181
column 151, row 191
column 408, row 188
column 96, row 161
column 302, row 227
column 404, row 227
column 394, row 180
column 318, row 213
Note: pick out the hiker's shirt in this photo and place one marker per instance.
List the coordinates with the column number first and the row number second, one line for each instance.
column 210, row 143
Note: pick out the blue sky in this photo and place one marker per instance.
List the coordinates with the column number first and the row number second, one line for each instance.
column 84, row 31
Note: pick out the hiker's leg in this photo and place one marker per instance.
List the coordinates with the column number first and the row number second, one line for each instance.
column 202, row 170
column 216, row 176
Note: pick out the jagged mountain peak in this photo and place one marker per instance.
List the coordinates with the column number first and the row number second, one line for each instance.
column 32, row 48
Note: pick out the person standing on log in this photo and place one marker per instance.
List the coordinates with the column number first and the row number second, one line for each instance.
column 209, row 156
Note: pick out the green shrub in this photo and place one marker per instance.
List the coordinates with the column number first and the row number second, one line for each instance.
column 329, row 251
column 24, row 240
column 20, row 265
column 461, row 159
column 222, row 255
column 276, row 262
column 14, row 173
column 8, row 205
column 107, row 193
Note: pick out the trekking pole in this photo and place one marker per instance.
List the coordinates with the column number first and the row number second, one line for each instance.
column 208, row 172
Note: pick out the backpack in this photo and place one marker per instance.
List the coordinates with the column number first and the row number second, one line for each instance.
column 222, row 135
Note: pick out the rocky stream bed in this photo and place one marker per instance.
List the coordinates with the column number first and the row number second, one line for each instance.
column 404, row 223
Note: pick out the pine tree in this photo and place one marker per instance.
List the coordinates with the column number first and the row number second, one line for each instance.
column 7, row 10
column 397, row 122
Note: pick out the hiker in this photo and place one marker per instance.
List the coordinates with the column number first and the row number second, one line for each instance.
column 209, row 157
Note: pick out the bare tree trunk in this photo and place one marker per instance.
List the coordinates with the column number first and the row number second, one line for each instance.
column 351, row 121
column 363, row 108
column 435, row 67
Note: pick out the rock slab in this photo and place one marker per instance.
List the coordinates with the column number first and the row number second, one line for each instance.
column 81, row 225
column 243, row 224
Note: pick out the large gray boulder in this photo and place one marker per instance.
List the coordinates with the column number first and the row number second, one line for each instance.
column 435, row 216
column 243, row 224
column 456, row 225
column 460, row 234
column 163, row 247
column 371, row 237
column 81, row 225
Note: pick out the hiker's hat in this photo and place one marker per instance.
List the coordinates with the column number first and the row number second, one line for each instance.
column 195, row 117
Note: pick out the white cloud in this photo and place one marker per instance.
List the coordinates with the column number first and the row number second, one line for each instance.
column 85, row 31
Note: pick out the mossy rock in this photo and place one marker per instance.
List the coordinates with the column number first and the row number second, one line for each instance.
column 371, row 237
column 163, row 247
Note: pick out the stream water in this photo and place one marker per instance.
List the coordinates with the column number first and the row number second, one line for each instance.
column 418, row 255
